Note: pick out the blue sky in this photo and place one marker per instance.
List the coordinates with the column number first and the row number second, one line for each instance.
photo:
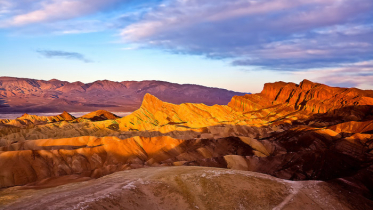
column 237, row 44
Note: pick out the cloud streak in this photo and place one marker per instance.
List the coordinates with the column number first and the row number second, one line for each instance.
column 63, row 55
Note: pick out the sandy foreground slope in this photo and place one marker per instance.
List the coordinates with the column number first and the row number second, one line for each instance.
column 185, row 188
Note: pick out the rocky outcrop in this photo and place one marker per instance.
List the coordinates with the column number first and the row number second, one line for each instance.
column 315, row 97
column 308, row 96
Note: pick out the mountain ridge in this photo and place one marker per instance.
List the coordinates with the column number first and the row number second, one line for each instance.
column 32, row 95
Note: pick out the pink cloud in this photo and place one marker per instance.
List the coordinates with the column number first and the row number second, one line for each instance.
column 358, row 75
column 274, row 34
column 47, row 11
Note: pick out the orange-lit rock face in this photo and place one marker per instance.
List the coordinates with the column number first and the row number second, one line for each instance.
column 94, row 157
column 297, row 132
column 315, row 97
column 155, row 114
column 280, row 100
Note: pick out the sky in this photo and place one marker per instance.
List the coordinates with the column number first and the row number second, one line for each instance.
column 237, row 44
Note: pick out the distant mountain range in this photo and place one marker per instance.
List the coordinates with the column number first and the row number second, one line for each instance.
column 31, row 95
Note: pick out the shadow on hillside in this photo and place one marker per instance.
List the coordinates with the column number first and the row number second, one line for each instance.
column 3, row 103
column 348, row 113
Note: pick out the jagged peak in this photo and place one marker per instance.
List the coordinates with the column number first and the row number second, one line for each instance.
column 149, row 96
column 151, row 102
column 67, row 116
column 65, row 112
column 25, row 115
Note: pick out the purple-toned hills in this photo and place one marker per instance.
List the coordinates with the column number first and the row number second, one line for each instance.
column 31, row 95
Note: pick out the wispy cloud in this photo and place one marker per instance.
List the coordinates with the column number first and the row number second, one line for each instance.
column 40, row 17
column 23, row 13
column 63, row 54
column 39, row 11
column 4, row 7
column 284, row 35
column 358, row 74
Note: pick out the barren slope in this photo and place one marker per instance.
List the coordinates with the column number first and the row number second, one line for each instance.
column 186, row 188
